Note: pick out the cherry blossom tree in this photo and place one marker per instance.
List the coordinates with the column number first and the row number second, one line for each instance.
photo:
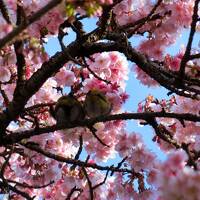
column 41, row 159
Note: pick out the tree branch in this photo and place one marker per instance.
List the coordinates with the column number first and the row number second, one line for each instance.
column 186, row 56
column 78, row 162
column 19, row 46
column 145, row 19
column 16, row 31
column 18, row 136
column 166, row 78
column 5, row 12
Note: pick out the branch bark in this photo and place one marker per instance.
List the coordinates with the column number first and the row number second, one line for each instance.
column 18, row 136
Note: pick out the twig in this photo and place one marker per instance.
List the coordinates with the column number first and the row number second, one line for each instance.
column 147, row 18
column 101, row 183
column 79, row 151
column 3, row 168
column 14, row 189
column 4, row 95
column 78, row 162
column 120, row 164
column 38, row 106
column 163, row 133
column 186, row 56
column 74, row 189
column 167, row 136
column 141, row 184
column 93, row 131
column 5, row 12
column 93, row 73
column 25, row 185
column 89, row 183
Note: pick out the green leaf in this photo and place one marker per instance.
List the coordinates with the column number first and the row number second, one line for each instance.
column 70, row 10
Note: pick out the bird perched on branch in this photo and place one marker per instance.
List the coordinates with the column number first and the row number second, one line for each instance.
column 68, row 109
column 96, row 104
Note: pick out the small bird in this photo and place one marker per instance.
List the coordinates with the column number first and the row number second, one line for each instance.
column 96, row 104
column 68, row 109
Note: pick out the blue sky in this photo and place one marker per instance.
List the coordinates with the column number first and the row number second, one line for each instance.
column 137, row 91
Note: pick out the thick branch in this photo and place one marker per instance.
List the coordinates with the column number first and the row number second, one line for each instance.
column 35, row 82
column 18, row 136
column 166, row 78
column 47, row 70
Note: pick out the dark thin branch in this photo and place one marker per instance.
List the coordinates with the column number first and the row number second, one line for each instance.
column 191, row 157
column 80, row 147
column 167, row 136
column 38, row 106
column 101, row 183
column 3, row 168
column 93, row 131
column 163, row 133
column 166, row 78
column 19, row 192
column 142, row 21
column 77, row 162
column 87, row 159
column 12, row 79
column 186, row 56
column 4, row 95
column 62, row 33
column 74, row 189
column 147, row 18
column 16, row 31
column 120, row 164
column 79, row 151
column 93, row 73
column 25, row 185
column 89, row 184
column 103, row 24
column 141, row 184
column 5, row 12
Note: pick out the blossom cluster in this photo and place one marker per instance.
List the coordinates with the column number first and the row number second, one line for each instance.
column 161, row 33
column 173, row 179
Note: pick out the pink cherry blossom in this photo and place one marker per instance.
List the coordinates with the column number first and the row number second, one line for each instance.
column 65, row 77
column 4, row 74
